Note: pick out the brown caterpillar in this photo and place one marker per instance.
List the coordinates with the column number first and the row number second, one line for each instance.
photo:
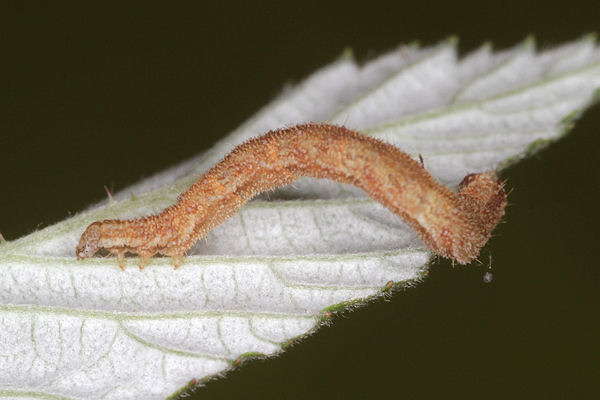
column 454, row 225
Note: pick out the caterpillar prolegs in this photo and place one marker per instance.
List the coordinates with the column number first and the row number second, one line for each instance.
column 454, row 225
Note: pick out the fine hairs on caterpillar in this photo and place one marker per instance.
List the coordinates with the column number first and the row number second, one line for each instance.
column 453, row 225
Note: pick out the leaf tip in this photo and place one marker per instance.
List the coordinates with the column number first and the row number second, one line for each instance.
column 591, row 37
column 452, row 40
column 347, row 53
column 529, row 40
column 488, row 45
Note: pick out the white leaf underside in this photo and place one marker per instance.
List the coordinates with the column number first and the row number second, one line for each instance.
column 84, row 329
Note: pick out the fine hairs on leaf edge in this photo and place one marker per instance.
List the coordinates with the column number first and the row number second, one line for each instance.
column 567, row 124
column 323, row 319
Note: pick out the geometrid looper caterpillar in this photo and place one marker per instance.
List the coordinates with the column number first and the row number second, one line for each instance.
column 454, row 225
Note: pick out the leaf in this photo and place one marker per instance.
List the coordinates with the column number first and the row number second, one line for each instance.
column 271, row 274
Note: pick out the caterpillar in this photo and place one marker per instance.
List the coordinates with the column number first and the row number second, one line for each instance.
column 455, row 225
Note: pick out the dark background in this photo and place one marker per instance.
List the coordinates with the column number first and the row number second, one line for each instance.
column 105, row 95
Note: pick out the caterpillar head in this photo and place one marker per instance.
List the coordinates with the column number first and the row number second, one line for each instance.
column 484, row 195
column 89, row 243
